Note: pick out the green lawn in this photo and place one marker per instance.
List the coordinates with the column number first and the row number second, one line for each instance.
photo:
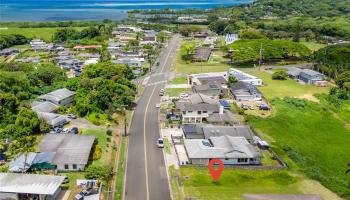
column 121, row 169
column 313, row 138
column 283, row 88
column 213, row 65
column 175, row 92
column 72, row 184
column 313, row 46
column 234, row 183
column 43, row 33
column 101, row 137
column 179, row 80
column 167, row 146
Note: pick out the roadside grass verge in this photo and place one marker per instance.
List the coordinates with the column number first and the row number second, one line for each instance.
column 234, row 183
column 121, row 169
column 174, row 183
column 312, row 137
column 167, row 146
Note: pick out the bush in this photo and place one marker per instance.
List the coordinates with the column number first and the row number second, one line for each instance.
column 99, row 172
column 109, row 132
column 280, row 75
column 97, row 152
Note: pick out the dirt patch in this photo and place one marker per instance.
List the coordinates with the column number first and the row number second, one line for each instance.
column 314, row 187
column 309, row 97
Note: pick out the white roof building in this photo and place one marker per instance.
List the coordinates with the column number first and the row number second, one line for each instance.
column 231, row 38
column 244, row 77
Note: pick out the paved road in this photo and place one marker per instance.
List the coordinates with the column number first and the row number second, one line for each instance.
column 146, row 176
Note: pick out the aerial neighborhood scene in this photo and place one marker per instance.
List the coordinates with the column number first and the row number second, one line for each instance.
column 181, row 100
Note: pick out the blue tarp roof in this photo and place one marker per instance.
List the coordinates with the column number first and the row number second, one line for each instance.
column 225, row 103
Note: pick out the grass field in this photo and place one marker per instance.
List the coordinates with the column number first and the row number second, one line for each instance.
column 175, row 92
column 43, row 33
column 179, row 80
column 101, row 137
column 313, row 138
column 234, row 183
column 215, row 64
column 313, row 46
column 283, row 88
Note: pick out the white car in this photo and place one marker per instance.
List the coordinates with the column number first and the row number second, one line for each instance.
column 183, row 95
column 160, row 142
column 65, row 130
column 158, row 105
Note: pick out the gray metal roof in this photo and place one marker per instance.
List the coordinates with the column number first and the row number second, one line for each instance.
column 194, row 129
column 225, row 117
column 244, row 88
column 52, row 118
column 311, row 72
column 58, row 95
column 44, row 107
column 221, row 147
column 202, row 53
column 198, row 102
column 234, row 131
column 69, row 148
column 29, row 183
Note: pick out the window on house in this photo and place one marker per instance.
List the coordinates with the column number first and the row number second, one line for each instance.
column 190, row 111
column 199, row 112
column 66, row 167
column 242, row 160
column 204, row 111
column 74, row 166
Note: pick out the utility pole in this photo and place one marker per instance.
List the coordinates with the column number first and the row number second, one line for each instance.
column 125, row 123
column 260, row 56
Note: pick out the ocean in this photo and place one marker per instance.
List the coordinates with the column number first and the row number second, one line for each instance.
column 63, row 10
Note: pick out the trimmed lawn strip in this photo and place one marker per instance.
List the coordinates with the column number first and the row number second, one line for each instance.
column 121, row 169
column 167, row 146
column 179, row 80
column 101, row 137
column 174, row 183
column 175, row 92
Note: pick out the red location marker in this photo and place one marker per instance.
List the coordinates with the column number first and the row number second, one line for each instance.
column 215, row 173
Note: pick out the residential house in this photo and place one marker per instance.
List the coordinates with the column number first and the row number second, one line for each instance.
column 202, row 54
column 33, row 161
column 208, row 78
column 203, row 34
column 210, row 42
column 135, row 62
column 231, row 38
column 8, row 52
column 193, row 131
column 84, row 47
column 30, row 186
column 213, row 90
column 60, row 97
column 46, row 106
column 148, row 39
column 196, row 108
column 243, row 91
column 53, row 119
column 40, row 45
column 306, row 75
column 244, row 77
column 34, row 59
column 231, row 151
column 71, row 151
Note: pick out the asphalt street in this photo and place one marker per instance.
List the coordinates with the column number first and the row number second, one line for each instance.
column 146, row 176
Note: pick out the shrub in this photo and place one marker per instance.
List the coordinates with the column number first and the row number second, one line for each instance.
column 280, row 75
column 97, row 153
column 99, row 172
column 109, row 132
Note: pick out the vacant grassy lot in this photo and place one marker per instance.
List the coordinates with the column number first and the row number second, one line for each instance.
column 179, row 80
column 175, row 92
column 215, row 64
column 234, row 183
column 283, row 88
column 310, row 135
column 101, row 137
column 43, row 33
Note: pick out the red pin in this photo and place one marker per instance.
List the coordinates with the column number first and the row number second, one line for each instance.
column 215, row 173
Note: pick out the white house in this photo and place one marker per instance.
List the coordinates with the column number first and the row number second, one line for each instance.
column 231, row 150
column 231, row 38
column 244, row 77
column 136, row 62
column 71, row 151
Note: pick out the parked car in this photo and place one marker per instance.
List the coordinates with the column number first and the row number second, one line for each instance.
column 161, row 92
column 71, row 116
column 65, row 130
column 158, row 105
column 183, row 95
column 251, row 107
column 264, row 107
column 244, row 107
column 74, row 130
column 57, row 129
column 160, row 142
